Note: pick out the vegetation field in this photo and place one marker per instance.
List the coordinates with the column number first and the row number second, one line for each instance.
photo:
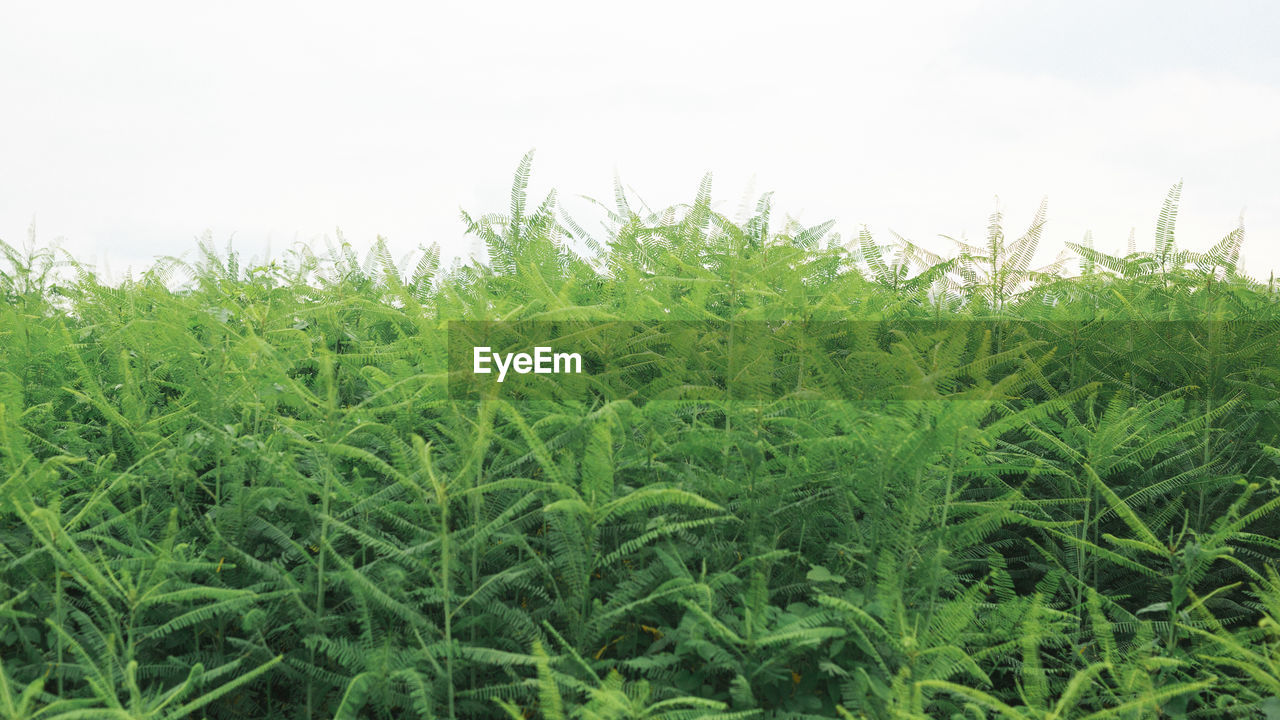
column 983, row 490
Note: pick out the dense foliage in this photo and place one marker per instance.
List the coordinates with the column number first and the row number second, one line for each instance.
column 244, row 491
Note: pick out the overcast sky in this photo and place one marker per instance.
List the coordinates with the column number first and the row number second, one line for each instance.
column 129, row 129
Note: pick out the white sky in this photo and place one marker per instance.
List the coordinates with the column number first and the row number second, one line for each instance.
column 128, row 129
